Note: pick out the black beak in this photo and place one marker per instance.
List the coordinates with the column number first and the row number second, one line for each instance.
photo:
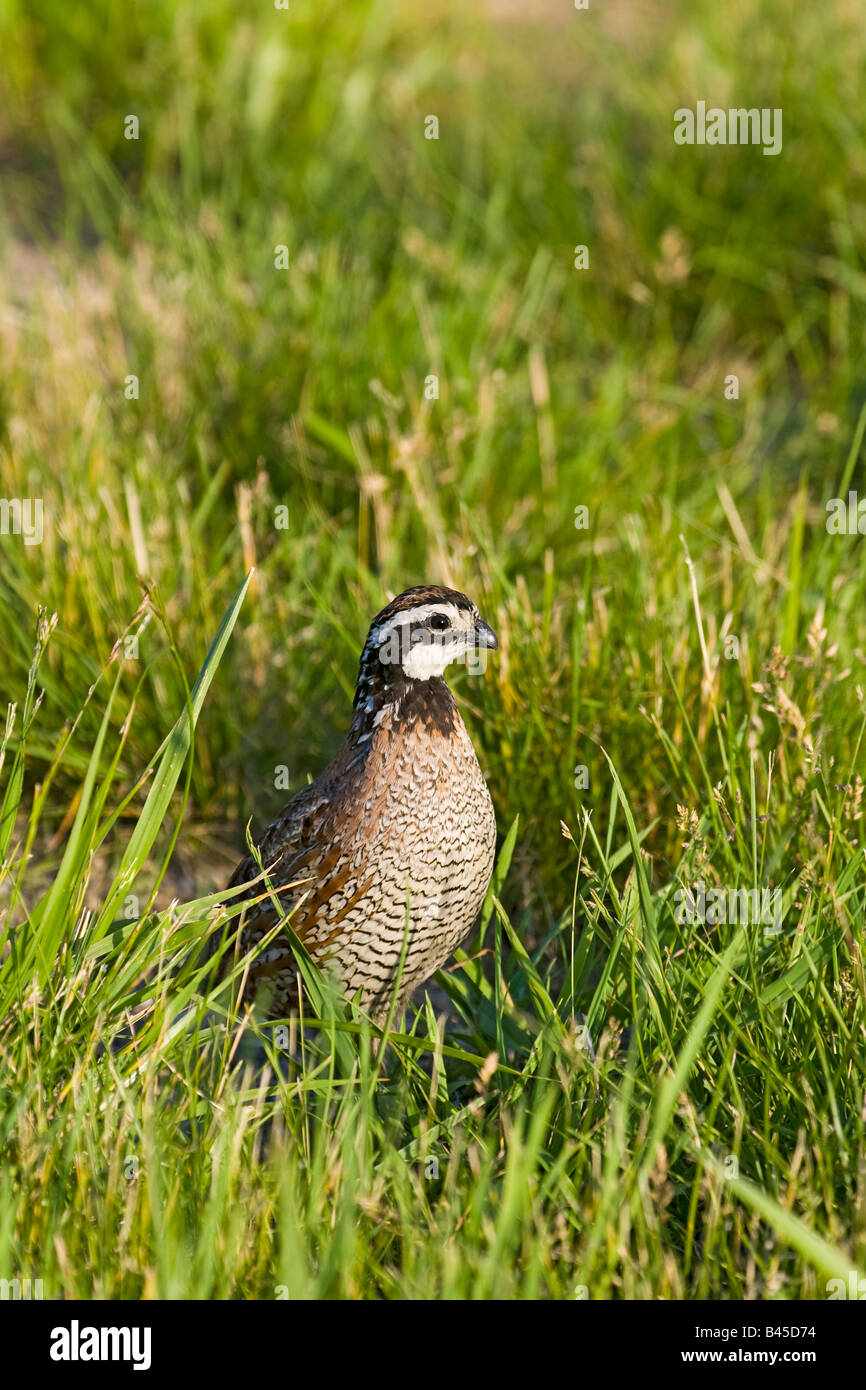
column 485, row 636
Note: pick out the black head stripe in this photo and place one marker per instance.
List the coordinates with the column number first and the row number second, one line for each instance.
column 418, row 597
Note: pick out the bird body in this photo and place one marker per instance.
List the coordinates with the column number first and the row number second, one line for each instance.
column 389, row 852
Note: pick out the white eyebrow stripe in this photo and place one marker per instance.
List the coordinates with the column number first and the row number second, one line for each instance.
column 418, row 615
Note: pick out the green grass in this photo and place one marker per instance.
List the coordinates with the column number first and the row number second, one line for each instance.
column 711, row 1143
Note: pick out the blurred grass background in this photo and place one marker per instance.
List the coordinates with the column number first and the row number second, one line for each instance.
column 304, row 388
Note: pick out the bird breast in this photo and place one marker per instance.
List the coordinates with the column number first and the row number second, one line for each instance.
column 425, row 809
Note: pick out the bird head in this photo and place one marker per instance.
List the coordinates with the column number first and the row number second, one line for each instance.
column 425, row 629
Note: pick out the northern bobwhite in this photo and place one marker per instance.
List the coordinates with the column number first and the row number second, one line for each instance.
column 398, row 829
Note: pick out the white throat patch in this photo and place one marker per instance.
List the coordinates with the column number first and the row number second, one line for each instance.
column 428, row 659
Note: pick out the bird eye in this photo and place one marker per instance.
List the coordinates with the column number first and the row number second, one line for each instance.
column 438, row 620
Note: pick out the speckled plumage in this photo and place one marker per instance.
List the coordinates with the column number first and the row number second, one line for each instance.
column 398, row 829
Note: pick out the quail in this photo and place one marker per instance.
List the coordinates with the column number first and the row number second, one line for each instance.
column 386, row 857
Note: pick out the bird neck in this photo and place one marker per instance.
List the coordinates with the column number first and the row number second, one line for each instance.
column 386, row 694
